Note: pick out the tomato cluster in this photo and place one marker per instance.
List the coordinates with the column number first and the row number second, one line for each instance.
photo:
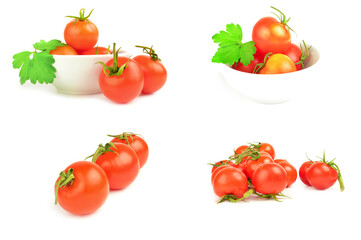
column 252, row 169
column 275, row 52
column 83, row 186
column 321, row 174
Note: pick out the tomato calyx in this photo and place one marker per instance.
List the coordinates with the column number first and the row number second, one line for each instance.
column 252, row 153
column 101, row 150
column 150, row 51
column 64, row 180
column 283, row 19
column 259, row 66
column 333, row 165
column 271, row 196
column 81, row 16
column 124, row 136
column 114, row 70
column 233, row 198
column 304, row 54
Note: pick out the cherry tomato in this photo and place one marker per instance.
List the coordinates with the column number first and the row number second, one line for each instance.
column 137, row 143
column 258, row 58
column 294, row 53
column 64, row 50
column 252, row 165
column 302, row 172
column 96, row 51
column 321, row 176
column 269, row 178
column 125, row 87
column 271, row 35
column 290, row 170
column 221, row 163
column 86, row 188
column 268, row 148
column 214, row 173
column 278, row 63
column 230, row 180
column 155, row 74
column 120, row 164
column 81, row 33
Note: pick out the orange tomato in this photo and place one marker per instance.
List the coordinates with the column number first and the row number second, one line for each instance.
column 64, row 50
column 278, row 63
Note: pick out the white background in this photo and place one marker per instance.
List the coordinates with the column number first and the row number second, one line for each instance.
column 195, row 119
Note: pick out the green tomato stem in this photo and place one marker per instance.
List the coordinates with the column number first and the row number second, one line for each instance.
column 65, row 180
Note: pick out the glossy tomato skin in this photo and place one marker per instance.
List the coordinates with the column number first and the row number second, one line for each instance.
column 294, row 53
column 123, row 88
column 88, row 191
column 302, row 172
column 268, row 148
column 321, row 176
column 258, row 58
column 64, row 50
column 122, row 168
column 214, row 173
column 96, row 51
column 252, row 165
column 278, row 63
column 230, row 180
column 81, row 35
column 271, row 36
column 139, row 145
column 155, row 74
column 269, row 178
column 219, row 163
column 290, row 170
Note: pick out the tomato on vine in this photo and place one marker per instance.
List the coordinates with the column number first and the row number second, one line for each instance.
column 269, row 178
column 298, row 54
column 276, row 64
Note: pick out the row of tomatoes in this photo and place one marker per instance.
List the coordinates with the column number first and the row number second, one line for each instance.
column 123, row 79
column 83, row 186
column 253, row 169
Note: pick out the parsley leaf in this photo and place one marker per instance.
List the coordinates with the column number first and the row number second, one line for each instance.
column 37, row 66
column 231, row 49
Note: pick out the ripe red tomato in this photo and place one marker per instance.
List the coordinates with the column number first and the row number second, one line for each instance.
column 125, row 87
column 155, row 74
column 268, row 148
column 271, row 35
column 252, row 165
column 290, row 170
column 258, row 58
column 137, row 143
column 302, row 172
column 321, row 176
column 269, row 178
column 294, row 53
column 230, row 180
column 64, row 50
column 214, row 173
column 96, row 51
column 120, row 164
column 81, row 33
column 86, row 190
column 278, row 63
column 221, row 163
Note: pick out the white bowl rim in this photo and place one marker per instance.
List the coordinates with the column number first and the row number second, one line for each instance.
column 88, row 56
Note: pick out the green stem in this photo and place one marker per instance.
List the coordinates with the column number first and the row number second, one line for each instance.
column 150, row 51
column 64, row 180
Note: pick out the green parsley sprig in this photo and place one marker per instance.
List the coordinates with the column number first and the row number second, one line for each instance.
column 231, row 49
column 37, row 66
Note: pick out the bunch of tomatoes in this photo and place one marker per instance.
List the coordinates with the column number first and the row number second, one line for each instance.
column 275, row 52
column 123, row 79
column 253, row 169
column 83, row 186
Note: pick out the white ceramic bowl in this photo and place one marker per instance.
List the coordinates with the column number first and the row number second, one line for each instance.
column 79, row 74
column 271, row 88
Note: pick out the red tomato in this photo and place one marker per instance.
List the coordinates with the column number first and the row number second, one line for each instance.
column 302, row 172
column 294, row 53
column 96, row 51
column 321, row 176
column 81, row 33
column 290, row 170
column 221, row 163
column 137, row 143
column 269, row 178
column 268, row 148
column 64, row 50
column 271, row 35
column 214, row 173
column 120, row 166
column 278, row 63
column 125, row 87
column 230, row 180
column 258, row 58
column 252, row 165
column 86, row 190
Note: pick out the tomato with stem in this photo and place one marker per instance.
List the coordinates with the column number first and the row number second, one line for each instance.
column 298, row 54
column 222, row 163
column 276, row 64
column 290, row 170
column 136, row 142
column 230, row 180
column 258, row 58
column 119, row 162
column 121, row 79
column 81, row 188
column 269, row 178
column 81, row 33
column 271, row 35
column 252, row 165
